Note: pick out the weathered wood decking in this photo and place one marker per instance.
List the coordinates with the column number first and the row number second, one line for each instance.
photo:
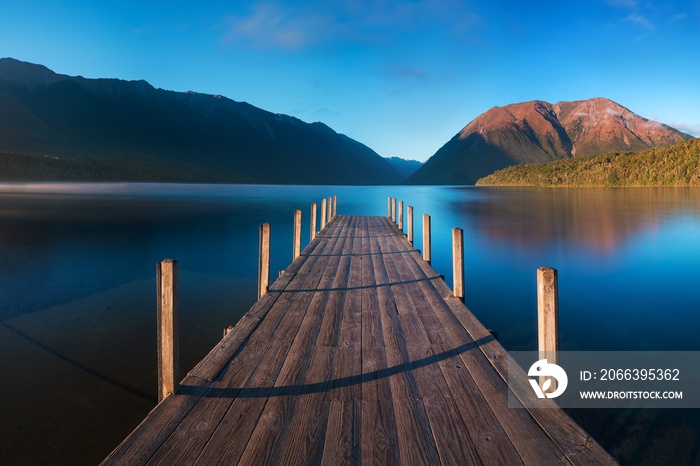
column 357, row 354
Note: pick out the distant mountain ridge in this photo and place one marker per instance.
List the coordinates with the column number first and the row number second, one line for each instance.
column 58, row 127
column 405, row 167
column 537, row 131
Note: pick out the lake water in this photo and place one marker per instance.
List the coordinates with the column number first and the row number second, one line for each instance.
column 77, row 291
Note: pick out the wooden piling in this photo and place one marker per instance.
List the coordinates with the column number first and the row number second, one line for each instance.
column 393, row 209
column 168, row 329
column 297, row 234
column 458, row 262
column 548, row 313
column 264, row 260
column 388, row 206
column 330, row 209
column 426, row 238
column 313, row 221
column 401, row 215
column 410, row 224
column 335, row 206
column 323, row 213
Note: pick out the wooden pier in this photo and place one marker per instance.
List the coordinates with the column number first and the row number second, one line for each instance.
column 359, row 353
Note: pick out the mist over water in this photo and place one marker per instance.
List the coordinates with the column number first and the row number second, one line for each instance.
column 77, row 289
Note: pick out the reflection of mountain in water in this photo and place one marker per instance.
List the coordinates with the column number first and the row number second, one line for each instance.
column 599, row 220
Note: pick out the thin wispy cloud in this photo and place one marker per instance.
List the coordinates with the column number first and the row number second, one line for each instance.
column 640, row 20
column 271, row 25
column 274, row 24
column 691, row 129
column 407, row 72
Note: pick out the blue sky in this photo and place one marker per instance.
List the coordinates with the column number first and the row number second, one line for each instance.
column 402, row 77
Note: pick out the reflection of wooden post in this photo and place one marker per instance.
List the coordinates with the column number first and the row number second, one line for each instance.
column 335, row 206
column 297, row 234
column 410, row 224
column 323, row 213
column 401, row 215
column 426, row 238
column 458, row 262
column 168, row 329
column 264, row 260
column 313, row 221
column 547, row 313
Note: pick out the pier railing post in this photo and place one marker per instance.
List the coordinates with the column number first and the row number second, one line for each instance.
column 323, row 213
column 330, row 209
column 458, row 262
column 168, row 329
column 388, row 206
column 393, row 209
column 264, row 260
column 410, row 224
column 313, row 221
column 426, row 238
column 297, row 234
column 335, row 205
column 548, row 313
column 401, row 215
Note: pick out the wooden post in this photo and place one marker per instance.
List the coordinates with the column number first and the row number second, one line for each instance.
column 168, row 329
column 330, row 209
column 388, row 206
column 323, row 213
column 401, row 216
column 335, row 206
column 264, row 260
column 410, row 224
column 393, row 209
column 228, row 330
column 458, row 262
column 426, row 238
column 548, row 313
column 297, row 234
column 313, row 222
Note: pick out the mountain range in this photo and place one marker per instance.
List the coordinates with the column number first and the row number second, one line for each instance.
column 536, row 132
column 56, row 127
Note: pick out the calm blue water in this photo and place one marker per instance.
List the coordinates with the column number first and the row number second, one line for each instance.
column 77, row 281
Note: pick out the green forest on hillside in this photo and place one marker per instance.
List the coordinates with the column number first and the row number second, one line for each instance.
column 676, row 165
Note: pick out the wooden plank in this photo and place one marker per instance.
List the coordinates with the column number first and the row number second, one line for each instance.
column 342, row 439
column 231, row 438
column 342, row 445
column 416, row 442
column 267, row 441
column 378, row 426
column 140, row 445
column 575, row 443
column 447, row 386
column 451, row 436
column 149, row 435
column 191, row 436
column 308, row 426
column 212, row 364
